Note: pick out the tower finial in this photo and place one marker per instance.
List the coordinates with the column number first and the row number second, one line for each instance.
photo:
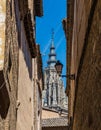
column 52, row 34
column 52, row 54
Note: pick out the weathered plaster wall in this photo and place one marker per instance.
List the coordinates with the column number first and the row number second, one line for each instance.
column 25, row 88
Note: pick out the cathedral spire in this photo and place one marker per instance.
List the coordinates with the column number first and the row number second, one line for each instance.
column 52, row 55
column 52, row 35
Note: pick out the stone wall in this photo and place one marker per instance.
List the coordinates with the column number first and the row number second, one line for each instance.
column 10, row 68
column 20, row 48
column 76, row 29
column 87, row 109
column 83, row 60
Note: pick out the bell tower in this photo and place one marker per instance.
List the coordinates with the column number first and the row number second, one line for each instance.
column 53, row 94
column 52, row 55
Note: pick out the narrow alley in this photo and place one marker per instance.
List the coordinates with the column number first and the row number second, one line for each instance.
column 50, row 64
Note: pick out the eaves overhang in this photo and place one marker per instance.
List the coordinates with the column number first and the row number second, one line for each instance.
column 29, row 33
column 38, row 5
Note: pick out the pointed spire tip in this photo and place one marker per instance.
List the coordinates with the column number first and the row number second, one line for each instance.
column 52, row 33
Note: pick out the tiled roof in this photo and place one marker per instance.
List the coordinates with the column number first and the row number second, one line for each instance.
column 53, row 122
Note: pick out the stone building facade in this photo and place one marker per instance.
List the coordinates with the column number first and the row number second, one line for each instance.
column 54, row 99
column 53, row 94
column 83, row 33
column 16, row 75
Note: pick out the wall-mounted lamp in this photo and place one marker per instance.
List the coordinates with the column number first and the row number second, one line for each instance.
column 59, row 67
column 59, row 109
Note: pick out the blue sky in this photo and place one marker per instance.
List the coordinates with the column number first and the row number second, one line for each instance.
column 54, row 12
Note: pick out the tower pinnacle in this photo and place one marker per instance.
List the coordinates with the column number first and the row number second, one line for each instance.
column 52, row 34
column 52, row 55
